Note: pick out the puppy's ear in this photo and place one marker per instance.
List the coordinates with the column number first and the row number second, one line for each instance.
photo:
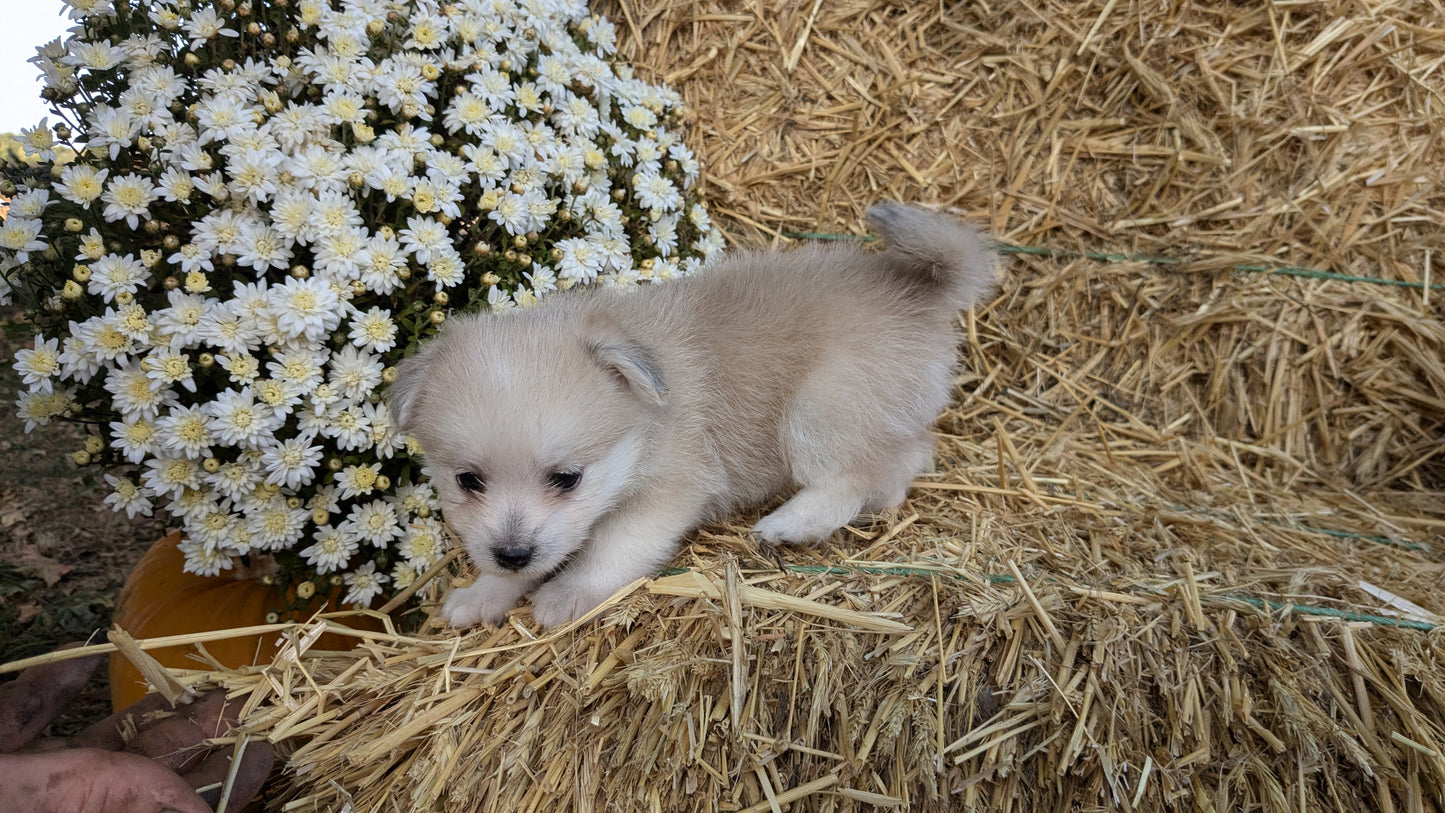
column 633, row 365
column 405, row 391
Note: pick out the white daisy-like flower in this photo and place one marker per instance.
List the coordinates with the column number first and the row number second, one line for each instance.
column 169, row 476
column 135, row 394
column 128, row 198
column 167, row 367
column 22, row 236
column 357, row 480
column 348, row 427
column 373, row 330
column 102, row 340
column 423, row 543
column 422, row 236
column 305, row 308
column 36, row 408
column 291, row 463
column 330, row 550
column 135, row 437
column 261, row 248
column 236, row 479
column 81, row 184
column 374, row 521
column 243, row 367
column 204, row 561
column 39, row 363
column 204, row 24
column 186, row 431
column 446, row 268
column 237, row 420
column 363, row 585
column 179, row 325
column 355, row 372
column 113, row 274
column 126, row 496
column 274, row 525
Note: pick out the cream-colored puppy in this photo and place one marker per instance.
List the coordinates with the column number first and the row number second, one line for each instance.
column 574, row 443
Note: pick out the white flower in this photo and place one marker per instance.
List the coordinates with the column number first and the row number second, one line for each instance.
column 364, row 584
column 204, row 561
column 274, row 526
column 112, row 274
column 236, row 479
column 373, row 330
column 135, row 393
column 374, row 521
column 169, row 476
column 422, row 236
column 355, row 372
column 357, row 480
column 180, row 324
column 128, row 198
column 186, row 431
column 423, row 543
column 37, row 408
column 330, row 550
column 237, row 420
column 39, row 363
column 81, row 184
column 305, row 308
column 262, row 248
column 204, row 24
column 135, row 437
column 166, row 367
column 126, row 496
column 348, row 427
column 291, row 463
column 21, row 236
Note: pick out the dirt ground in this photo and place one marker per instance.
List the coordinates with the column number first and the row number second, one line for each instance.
column 63, row 554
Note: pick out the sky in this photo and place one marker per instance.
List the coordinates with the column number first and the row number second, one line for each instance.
column 24, row 25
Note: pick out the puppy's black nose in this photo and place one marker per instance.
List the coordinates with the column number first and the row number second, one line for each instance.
column 512, row 557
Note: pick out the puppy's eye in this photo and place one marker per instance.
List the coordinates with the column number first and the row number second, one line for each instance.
column 471, row 483
column 564, row 480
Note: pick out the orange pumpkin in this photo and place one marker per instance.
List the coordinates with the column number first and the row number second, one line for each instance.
column 159, row 598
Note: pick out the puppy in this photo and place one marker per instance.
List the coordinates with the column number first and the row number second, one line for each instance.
column 574, row 443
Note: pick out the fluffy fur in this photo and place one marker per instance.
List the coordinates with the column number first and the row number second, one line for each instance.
column 575, row 442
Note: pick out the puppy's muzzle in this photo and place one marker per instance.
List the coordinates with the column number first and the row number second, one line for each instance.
column 513, row 556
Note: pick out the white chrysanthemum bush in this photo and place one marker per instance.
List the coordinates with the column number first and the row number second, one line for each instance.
column 274, row 202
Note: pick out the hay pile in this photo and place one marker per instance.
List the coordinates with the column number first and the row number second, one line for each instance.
column 1183, row 548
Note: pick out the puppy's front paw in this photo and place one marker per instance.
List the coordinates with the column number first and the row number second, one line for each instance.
column 782, row 527
column 561, row 600
column 485, row 602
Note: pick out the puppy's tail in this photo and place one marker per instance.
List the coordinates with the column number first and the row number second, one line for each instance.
column 936, row 253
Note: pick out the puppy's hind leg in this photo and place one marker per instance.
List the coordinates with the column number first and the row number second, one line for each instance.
column 633, row 542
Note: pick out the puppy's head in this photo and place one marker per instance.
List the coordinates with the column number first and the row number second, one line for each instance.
column 534, row 426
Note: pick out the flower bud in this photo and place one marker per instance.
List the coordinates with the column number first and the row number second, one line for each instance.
column 94, row 445
column 80, row 457
column 71, row 290
column 383, row 483
column 73, row 225
column 206, row 360
column 335, row 464
column 300, row 272
column 320, row 516
column 211, row 465
column 171, row 242
column 305, row 590
column 437, row 317
column 490, row 279
column 388, row 375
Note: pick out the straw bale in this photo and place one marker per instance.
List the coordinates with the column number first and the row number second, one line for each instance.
column 1183, row 546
